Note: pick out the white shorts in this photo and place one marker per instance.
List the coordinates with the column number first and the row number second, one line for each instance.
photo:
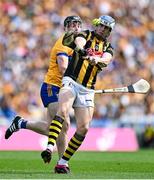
column 83, row 97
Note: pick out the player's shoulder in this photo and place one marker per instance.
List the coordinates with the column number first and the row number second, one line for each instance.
column 73, row 35
column 84, row 33
column 60, row 39
column 60, row 47
column 58, row 42
column 68, row 39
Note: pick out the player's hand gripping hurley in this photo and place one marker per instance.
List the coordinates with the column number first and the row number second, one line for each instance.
column 140, row 87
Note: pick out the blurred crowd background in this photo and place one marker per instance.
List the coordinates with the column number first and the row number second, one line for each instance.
column 28, row 30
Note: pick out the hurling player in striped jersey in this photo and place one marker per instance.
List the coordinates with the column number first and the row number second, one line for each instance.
column 92, row 52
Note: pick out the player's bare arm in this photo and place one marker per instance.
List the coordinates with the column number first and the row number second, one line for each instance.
column 62, row 63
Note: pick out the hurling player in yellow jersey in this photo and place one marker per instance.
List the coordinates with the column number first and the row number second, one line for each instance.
column 91, row 53
column 59, row 58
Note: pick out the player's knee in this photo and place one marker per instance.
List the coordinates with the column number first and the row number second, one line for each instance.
column 45, row 127
column 64, row 112
column 83, row 129
column 66, row 126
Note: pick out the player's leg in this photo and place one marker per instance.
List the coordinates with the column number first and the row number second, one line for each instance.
column 41, row 126
column 83, row 108
column 75, row 142
column 51, row 111
column 48, row 95
column 62, row 138
column 66, row 98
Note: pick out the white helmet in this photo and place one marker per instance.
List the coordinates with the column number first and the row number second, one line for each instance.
column 107, row 21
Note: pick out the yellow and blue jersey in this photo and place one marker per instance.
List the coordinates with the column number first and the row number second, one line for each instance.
column 53, row 78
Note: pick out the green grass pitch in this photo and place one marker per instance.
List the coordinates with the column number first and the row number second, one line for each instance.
column 84, row 165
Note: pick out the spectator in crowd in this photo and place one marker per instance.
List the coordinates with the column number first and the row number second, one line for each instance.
column 6, row 110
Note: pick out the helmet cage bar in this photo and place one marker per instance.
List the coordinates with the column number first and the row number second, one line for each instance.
column 107, row 21
column 106, row 27
column 108, row 24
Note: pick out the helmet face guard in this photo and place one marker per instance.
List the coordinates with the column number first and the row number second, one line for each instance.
column 104, row 25
column 107, row 21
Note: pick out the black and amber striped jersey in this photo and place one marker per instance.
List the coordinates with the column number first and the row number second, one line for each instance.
column 79, row 69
